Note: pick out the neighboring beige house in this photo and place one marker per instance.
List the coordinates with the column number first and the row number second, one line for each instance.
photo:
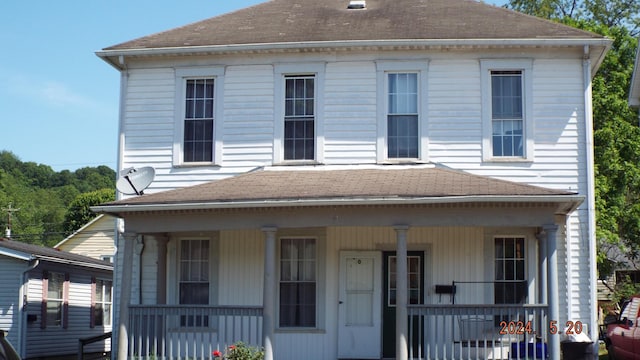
column 95, row 239
column 357, row 180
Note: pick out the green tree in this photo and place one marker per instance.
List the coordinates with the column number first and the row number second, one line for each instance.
column 616, row 132
column 79, row 211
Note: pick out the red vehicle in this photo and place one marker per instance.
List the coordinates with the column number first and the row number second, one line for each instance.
column 623, row 336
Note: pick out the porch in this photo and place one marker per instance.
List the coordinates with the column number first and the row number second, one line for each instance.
column 438, row 331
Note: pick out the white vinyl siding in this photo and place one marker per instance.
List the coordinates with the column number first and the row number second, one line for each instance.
column 10, row 291
column 39, row 341
column 95, row 240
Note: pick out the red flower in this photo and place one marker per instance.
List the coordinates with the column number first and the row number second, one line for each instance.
column 231, row 347
column 217, row 354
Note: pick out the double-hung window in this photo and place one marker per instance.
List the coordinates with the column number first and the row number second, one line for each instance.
column 193, row 285
column 55, row 299
column 298, row 282
column 198, row 116
column 299, row 117
column 402, row 116
column 101, row 303
column 510, row 285
column 507, row 110
column 298, row 109
column 401, row 90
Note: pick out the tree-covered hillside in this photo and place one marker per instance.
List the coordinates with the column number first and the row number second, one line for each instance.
column 37, row 200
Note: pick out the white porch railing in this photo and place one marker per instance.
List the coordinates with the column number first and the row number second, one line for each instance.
column 190, row 331
column 478, row 331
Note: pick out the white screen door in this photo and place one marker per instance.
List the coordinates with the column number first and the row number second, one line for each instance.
column 360, row 308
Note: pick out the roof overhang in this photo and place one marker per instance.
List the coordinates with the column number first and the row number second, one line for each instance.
column 564, row 204
column 597, row 48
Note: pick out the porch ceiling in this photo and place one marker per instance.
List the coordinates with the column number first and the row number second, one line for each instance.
column 319, row 186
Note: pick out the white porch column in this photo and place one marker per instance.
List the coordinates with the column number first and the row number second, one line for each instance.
column 161, row 285
column 402, row 326
column 269, row 291
column 125, row 293
column 552, row 290
column 542, row 258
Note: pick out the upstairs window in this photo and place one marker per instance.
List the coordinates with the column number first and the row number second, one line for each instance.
column 198, row 120
column 299, row 118
column 402, row 116
column 198, row 116
column 507, row 112
column 507, row 116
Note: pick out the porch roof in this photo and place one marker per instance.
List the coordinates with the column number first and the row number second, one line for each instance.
column 321, row 186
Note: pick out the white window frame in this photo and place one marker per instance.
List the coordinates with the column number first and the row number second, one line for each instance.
column 526, row 67
column 107, row 315
column 318, row 276
column 181, row 77
column 281, row 71
column 383, row 68
column 61, row 301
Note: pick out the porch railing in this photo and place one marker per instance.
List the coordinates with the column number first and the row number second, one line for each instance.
column 190, row 331
column 478, row 331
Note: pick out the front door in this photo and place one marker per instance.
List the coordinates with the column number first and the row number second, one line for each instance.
column 415, row 273
column 359, row 309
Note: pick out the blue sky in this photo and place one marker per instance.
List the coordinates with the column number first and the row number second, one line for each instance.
column 58, row 100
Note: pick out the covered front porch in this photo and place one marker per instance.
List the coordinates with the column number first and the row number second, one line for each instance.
column 345, row 277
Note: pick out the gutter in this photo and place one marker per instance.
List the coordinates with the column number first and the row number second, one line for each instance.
column 113, row 57
column 129, row 208
column 74, row 262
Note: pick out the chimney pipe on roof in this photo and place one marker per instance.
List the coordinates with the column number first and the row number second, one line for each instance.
column 357, row 4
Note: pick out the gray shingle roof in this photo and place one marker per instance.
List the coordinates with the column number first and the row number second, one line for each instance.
column 295, row 21
column 361, row 184
column 41, row 252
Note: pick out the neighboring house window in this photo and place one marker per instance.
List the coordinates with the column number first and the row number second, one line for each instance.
column 101, row 302
column 198, row 116
column 298, row 132
column 507, row 110
column 510, row 285
column 194, row 279
column 299, row 118
column 402, row 130
column 55, row 299
column 298, row 282
column 402, row 116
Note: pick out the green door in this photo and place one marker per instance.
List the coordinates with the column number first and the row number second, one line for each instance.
column 415, row 272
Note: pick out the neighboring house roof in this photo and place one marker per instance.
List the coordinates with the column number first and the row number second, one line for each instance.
column 24, row 251
column 287, row 24
column 323, row 186
column 83, row 228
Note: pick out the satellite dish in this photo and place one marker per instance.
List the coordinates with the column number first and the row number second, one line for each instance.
column 133, row 181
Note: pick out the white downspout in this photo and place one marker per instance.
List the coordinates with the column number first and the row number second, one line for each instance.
column 591, row 200
column 22, row 309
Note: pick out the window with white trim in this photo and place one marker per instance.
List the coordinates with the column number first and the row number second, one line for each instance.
column 510, row 285
column 198, row 116
column 55, row 288
column 102, row 303
column 298, row 282
column 193, row 283
column 507, row 110
column 402, row 115
column 299, row 117
column 401, row 98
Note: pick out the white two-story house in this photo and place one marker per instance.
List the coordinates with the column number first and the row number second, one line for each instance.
column 357, row 180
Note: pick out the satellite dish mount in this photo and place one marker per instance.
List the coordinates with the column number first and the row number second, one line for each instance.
column 133, row 181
